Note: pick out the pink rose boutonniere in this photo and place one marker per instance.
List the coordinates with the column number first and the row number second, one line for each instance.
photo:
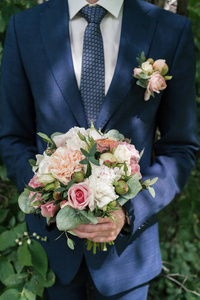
column 151, row 75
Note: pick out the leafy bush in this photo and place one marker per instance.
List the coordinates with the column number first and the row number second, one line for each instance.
column 24, row 269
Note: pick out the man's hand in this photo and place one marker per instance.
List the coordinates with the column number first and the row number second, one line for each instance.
column 105, row 230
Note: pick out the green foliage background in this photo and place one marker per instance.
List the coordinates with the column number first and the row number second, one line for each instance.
column 179, row 222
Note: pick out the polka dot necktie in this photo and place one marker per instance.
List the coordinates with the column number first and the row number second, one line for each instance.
column 92, row 86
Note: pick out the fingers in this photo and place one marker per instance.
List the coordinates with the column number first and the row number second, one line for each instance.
column 105, row 230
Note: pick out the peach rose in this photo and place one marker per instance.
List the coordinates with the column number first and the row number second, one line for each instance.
column 106, row 144
column 64, row 162
column 155, row 84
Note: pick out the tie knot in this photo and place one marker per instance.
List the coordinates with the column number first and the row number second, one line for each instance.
column 93, row 14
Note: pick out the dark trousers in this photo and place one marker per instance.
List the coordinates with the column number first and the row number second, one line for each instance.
column 83, row 288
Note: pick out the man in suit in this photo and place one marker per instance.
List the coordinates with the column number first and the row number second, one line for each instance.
column 41, row 80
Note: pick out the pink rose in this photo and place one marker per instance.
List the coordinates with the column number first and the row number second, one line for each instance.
column 34, row 183
column 78, row 195
column 135, row 156
column 160, row 66
column 137, row 71
column 48, row 210
column 155, row 84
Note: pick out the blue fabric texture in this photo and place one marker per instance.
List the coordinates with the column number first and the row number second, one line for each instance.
column 92, row 86
column 39, row 93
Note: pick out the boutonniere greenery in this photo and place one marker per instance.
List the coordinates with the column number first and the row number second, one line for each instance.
column 151, row 75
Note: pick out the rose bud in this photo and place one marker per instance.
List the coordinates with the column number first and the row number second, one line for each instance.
column 150, row 60
column 112, row 203
column 160, row 66
column 78, row 176
column 46, row 178
column 49, row 187
column 57, row 195
column 121, row 187
column 105, row 207
column 108, row 159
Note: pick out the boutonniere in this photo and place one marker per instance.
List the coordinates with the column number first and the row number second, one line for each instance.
column 151, row 75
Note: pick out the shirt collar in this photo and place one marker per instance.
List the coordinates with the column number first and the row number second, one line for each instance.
column 113, row 6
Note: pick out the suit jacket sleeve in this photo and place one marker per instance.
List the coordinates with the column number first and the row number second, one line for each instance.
column 176, row 150
column 17, row 114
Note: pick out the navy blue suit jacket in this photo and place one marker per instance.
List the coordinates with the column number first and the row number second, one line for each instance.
column 40, row 94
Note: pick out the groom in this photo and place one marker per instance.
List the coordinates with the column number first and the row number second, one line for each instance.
column 42, row 91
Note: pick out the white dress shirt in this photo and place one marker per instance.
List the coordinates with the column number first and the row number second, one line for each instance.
column 110, row 29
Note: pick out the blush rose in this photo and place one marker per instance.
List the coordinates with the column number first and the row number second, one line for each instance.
column 34, row 184
column 48, row 210
column 78, row 195
column 156, row 84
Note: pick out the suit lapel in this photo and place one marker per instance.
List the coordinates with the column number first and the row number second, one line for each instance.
column 136, row 36
column 56, row 41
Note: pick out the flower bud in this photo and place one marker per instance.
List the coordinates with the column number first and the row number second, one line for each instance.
column 150, row 60
column 105, row 207
column 45, row 178
column 57, row 195
column 112, row 203
column 108, row 159
column 78, row 176
column 160, row 66
column 121, row 187
column 49, row 187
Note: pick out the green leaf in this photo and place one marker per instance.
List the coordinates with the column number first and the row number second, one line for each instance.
column 152, row 191
column 15, row 279
column 70, row 243
column 20, row 229
column 24, row 255
column 45, row 137
column 32, row 162
column 84, row 161
column 84, row 152
column 11, row 294
column 28, row 293
column 55, row 134
column 93, row 150
column 50, row 279
column 121, row 200
column 69, row 218
column 38, row 257
column 24, row 203
column 37, row 284
column 143, row 76
column 6, row 269
column 89, row 170
column 7, row 239
column 134, row 187
column 141, row 84
column 3, row 214
column 88, row 216
column 94, row 161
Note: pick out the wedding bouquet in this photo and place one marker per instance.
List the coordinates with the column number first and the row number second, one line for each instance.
column 81, row 176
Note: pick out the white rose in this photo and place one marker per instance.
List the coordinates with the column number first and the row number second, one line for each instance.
column 101, row 185
column 42, row 164
column 147, row 68
column 71, row 139
column 122, row 154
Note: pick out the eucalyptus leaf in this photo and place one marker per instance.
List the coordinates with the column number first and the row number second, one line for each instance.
column 84, row 152
column 24, row 202
column 93, row 150
column 141, row 84
column 134, row 187
column 143, row 76
column 69, row 218
column 94, row 161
